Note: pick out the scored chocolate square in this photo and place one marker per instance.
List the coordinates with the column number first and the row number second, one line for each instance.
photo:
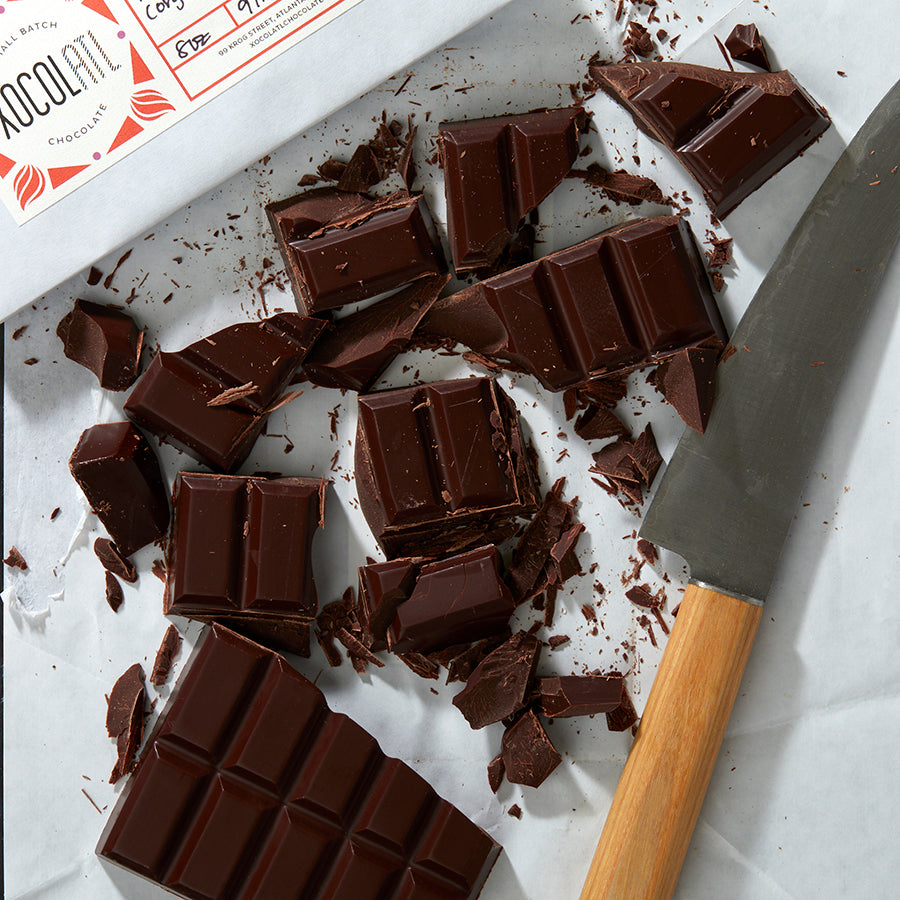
column 441, row 465
column 250, row 788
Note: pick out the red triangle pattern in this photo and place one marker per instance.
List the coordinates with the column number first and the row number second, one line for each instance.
column 139, row 68
column 62, row 174
column 128, row 130
column 6, row 165
column 98, row 6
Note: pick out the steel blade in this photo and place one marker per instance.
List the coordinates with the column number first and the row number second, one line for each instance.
column 728, row 496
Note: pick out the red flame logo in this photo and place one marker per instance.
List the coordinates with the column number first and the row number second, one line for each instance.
column 29, row 184
column 149, row 105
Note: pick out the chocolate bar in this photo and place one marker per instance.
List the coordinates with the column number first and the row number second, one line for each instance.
column 251, row 788
column 212, row 398
column 243, row 547
column 440, row 465
column 624, row 298
column 731, row 130
column 496, row 171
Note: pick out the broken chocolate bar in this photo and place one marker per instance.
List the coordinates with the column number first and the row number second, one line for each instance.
column 528, row 754
column 731, row 130
column 104, row 340
column 439, row 464
column 189, row 399
column 119, row 473
column 745, row 44
column 580, row 695
column 496, row 171
column 251, row 788
column 632, row 295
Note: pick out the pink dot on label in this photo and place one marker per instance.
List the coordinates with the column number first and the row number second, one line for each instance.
column 96, row 156
column 120, row 35
column 2, row 9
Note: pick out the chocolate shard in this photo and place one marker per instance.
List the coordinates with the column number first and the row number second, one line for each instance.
column 172, row 398
column 355, row 350
column 105, row 340
column 495, row 771
column 645, row 456
column 242, row 546
column 118, row 471
column 125, row 718
column 376, row 247
column 114, row 594
column 382, row 588
column 745, row 44
column 629, row 296
column 113, row 560
column 624, row 716
column 14, row 559
column 441, row 466
column 647, row 550
column 731, row 130
column 463, row 664
column 362, row 172
column 598, row 423
column 498, row 687
column 167, row 651
column 457, row 600
column 580, row 695
column 528, row 753
column 496, row 171
column 689, row 384
column 251, row 787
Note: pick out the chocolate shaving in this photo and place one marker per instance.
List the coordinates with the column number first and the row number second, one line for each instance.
column 599, row 423
column 495, row 771
column 557, row 640
column 125, row 719
column 357, row 649
column 640, row 595
column 167, row 651
column 114, row 595
column 420, row 664
column 113, row 560
column 233, row 394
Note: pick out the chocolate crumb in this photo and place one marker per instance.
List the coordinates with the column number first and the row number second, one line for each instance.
column 114, row 595
column 515, row 811
column 167, row 651
column 94, row 276
column 640, row 595
column 31, row 361
column 159, row 570
column 19, row 332
column 557, row 640
column 54, row 514
column 495, row 772
column 15, row 559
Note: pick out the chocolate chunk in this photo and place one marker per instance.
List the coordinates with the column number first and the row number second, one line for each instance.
column 104, row 340
column 173, row 396
column 605, row 392
column 647, row 550
column 731, row 130
column 463, row 664
column 629, row 467
column 580, row 695
column 528, row 754
column 598, row 423
column 515, row 811
column 125, row 718
column 557, row 640
column 355, row 350
column 499, row 685
column 456, row 600
column 242, row 546
column 496, row 171
column 632, row 295
column 439, row 464
column 374, row 248
column 119, row 473
column 640, row 595
column 689, row 384
column 113, row 560
column 495, row 773
column 745, row 44
column 14, row 559
column 622, row 718
column 382, row 588
column 421, row 665
column 645, row 457
column 168, row 650
column 361, row 172
column 638, row 40
column 114, row 594
column 251, row 786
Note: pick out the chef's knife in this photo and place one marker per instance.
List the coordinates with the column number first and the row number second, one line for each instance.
column 728, row 497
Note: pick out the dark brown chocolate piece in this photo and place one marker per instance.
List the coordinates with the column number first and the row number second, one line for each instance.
column 355, row 350
column 689, row 384
column 731, row 130
column 515, row 811
column 243, row 546
column 745, row 44
column 580, row 695
column 647, row 550
column 374, row 248
column 119, row 473
column 440, row 462
column 251, row 788
column 105, row 340
column 624, row 717
column 463, row 664
column 168, row 650
column 114, row 594
column 14, row 559
column 632, row 295
column 173, row 396
column 495, row 772
column 638, row 40
column 113, row 560
column 629, row 467
column 499, row 685
column 125, row 719
column 528, row 754
column 382, row 588
column 598, row 423
column 640, row 595
column 496, row 171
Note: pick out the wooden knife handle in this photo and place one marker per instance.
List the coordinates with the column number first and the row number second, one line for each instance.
column 655, row 808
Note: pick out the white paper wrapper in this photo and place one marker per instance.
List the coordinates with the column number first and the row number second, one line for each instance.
column 803, row 797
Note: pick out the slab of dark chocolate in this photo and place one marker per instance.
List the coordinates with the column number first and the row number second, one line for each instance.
column 251, row 788
column 632, row 295
column 243, row 546
column 496, row 171
column 580, row 695
column 499, row 685
column 376, row 247
column 731, row 130
column 105, row 340
column 180, row 395
column 528, row 753
column 745, row 44
column 438, row 461
column 119, row 473
column 356, row 349
column 689, row 384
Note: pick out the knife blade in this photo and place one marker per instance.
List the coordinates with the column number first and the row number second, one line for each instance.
column 728, row 497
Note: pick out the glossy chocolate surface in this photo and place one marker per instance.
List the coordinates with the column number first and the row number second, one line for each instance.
column 382, row 588
column 243, row 546
column 498, row 170
column 621, row 299
column 731, row 130
column 176, row 397
column 580, row 695
column 250, row 788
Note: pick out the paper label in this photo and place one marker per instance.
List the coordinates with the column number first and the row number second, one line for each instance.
column 82, row 84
